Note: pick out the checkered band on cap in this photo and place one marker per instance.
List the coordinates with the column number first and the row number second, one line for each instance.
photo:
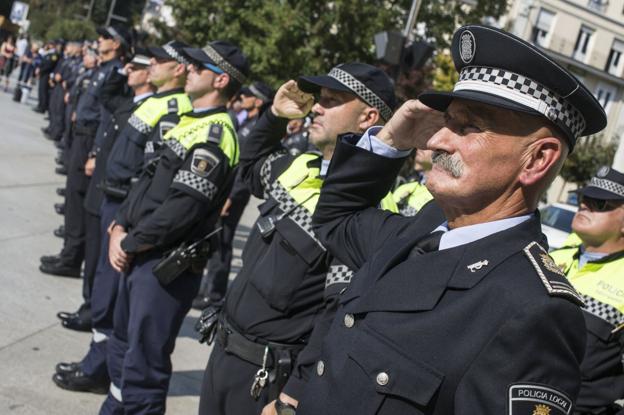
column 176, row 55
column 608, row 185
column 223, row 64
column 524, row 91
column 362, row 91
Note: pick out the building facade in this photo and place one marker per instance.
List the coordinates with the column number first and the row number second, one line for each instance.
column 587, row 37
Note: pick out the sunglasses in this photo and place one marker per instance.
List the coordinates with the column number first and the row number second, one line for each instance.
column 599, row 205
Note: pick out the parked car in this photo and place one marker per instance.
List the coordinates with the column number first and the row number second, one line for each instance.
column 557, row 223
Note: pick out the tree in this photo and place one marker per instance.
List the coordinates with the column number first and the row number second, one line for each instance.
column 589, row 155
column 284, row 38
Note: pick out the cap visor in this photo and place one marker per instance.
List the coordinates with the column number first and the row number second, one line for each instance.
column 313, row 84
column 441, row 100
column 598, row 193
column 198, row 55
column 102, row 31
column 246, row 91
column 158, row 52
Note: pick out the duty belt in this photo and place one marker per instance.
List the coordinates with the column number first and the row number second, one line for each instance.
column 253, row 352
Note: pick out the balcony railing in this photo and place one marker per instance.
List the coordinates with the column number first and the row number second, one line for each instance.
column 599, row 6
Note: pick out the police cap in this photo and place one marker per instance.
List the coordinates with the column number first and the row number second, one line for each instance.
column 370, row 84
column 119, row 33
column 221, row 56
column 172, row 50
column 500, row 69
column 607, row 184
column 259, row 90
column 141, row 57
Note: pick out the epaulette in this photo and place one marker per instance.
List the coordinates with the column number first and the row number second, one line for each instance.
column 172, row 106
column 551, row 275
column 215, row 132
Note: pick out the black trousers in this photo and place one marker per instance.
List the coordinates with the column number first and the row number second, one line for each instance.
column 92, row 254
column 57, row 112
column 215, row 283
column 227, row 384
column 43, row 90
column 77, row 183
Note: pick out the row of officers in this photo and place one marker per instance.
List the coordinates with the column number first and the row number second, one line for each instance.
column 343, row 305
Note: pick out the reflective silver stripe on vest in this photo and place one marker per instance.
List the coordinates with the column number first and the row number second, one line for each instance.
column 265, row 171
column 338, row 274
column 176, row 147
column 604, row 311
column 299, row 215
column 139, row 124
column 199, row 184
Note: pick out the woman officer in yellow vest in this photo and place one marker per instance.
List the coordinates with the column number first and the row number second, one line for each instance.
column 595, row 267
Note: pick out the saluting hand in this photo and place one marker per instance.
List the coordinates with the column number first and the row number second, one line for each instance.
column 291, row 102
column 411, row 126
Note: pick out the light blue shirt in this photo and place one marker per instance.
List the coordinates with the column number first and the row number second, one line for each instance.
column 453, row 237
column 324, row 167
column 589, row 256
column 141, row 97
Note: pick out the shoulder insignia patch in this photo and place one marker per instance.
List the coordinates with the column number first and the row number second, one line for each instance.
column 172, row 106
column 165, row 127
column 551, row 275
column 204, row 162
column 535, row 399
column 215, row 132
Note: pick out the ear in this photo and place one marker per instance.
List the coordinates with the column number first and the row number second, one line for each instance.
column 180, row 70
column 221, row 81
column 368, row 118
column 540, row 157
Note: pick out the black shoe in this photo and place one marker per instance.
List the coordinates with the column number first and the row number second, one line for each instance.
column 50, row 259
column 78, row 382
column 67, row 367
column 59, row 144
column 59, row 208
column 39, row 110
column 79, row 320
column 60, row 232
column 60, row 191
column 60, row 269
column 62, row 170
column 59, row 161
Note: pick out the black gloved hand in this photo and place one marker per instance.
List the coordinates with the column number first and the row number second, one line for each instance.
column 206, row 325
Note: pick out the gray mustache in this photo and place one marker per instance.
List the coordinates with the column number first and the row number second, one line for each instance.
column 450, row 163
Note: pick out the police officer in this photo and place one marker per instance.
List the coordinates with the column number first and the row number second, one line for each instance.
column 48, row 62
column 122, row 93
column 595, row 267
column 273, row 304
column 60, row 76
column 255, row 99
column 148, row 122
column 176, row 203
column 412, row 195
column 91, row 122
column 458, row 309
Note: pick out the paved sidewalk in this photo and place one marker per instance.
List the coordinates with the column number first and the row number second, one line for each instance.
column 31, row 339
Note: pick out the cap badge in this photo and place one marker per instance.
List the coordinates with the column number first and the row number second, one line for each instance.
column 478, row 265
column 603, row 171
column 467, row 46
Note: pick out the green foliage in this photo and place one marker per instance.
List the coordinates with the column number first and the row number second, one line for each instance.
column 71, row 29
column 444, row 74
column 285, row 38
column 589, row 154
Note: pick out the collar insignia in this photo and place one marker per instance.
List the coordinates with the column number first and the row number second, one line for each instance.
column 478, row 265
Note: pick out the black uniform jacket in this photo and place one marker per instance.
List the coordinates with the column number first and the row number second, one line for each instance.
column 117, row 98
column 279, row 291
column 167, row 208
column 436, row 334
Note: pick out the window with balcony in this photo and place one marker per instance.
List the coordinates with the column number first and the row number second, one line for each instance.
column 605, row 94
column 598, row 5
column 615, row 61
column 582, row 43
column 542, row 27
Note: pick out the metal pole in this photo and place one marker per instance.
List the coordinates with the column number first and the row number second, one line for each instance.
column 110, row 12
column 411, row 20
column 90, row 9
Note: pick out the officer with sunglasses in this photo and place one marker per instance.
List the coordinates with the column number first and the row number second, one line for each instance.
column 595, row 267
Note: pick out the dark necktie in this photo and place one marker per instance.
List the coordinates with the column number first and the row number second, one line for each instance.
column 429, row 243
